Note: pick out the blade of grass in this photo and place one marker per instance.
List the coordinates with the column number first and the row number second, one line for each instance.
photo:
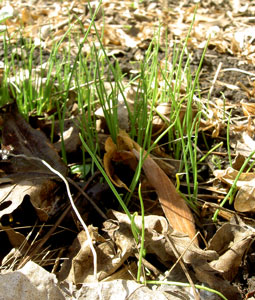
column 117, row 195
column 233, row 186
column 200, row 287
column 141, row 251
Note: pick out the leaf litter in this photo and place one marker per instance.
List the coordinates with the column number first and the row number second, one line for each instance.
column 31, row 193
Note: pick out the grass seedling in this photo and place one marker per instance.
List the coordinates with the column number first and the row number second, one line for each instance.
column 190, row 126
column 87, row 74
column 142, row 249
column 209, row 152
column 108, row 102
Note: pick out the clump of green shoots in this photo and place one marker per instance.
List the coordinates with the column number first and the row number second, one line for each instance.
column 87, row 74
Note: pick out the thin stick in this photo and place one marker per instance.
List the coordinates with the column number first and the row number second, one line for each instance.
column 103, row 215
column 73, row 206
column 214, row 80
column 238, row 70
column 179, row 259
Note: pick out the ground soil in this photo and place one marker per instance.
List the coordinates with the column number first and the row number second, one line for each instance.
column 234, row 85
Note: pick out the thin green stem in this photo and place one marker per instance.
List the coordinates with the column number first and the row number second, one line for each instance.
column 141, row 251
column 123, row 205
column 200, row 287
column 233, row 187
column 209, row 152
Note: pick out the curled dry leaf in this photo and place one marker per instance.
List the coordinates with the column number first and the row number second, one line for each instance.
column 79, row 269
column 245, row 197
column 248, row 108
column 230, row 242
column 246, row 144
column 111, row 151
column 120, row 152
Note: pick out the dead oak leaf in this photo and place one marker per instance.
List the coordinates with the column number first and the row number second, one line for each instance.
column 230, row 242
column 38, row 190
column 245, row 197
column 28, row 177
column 23, row 139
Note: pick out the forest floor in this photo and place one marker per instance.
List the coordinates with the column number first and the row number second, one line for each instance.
column 44, row 245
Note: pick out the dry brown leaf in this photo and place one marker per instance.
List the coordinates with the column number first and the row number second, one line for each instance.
column 246, row 144
column 121, row 153
column 230, row 242
column 205, row 273
column 24, row 139
column 40, row 192
column 16, row 239
column 79, row 269
column 174, row 206
column 245, row 197
column 248, row 108
column 156, row 229
column 111, row 150
column 26, row 17
column 29, row 179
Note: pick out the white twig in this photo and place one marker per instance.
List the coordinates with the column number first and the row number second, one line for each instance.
column 214, row 79
column 238, row 70
column 72, row 204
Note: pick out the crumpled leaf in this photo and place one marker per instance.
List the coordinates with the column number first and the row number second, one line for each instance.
column 79, row 269
column 245, row 197
column 205, row 273
column 230, row 242
column 156, row 229
column 28, row 177
column 19, row 135
column 111, row 151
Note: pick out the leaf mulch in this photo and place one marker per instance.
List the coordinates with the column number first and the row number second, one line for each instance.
column 43, row 244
